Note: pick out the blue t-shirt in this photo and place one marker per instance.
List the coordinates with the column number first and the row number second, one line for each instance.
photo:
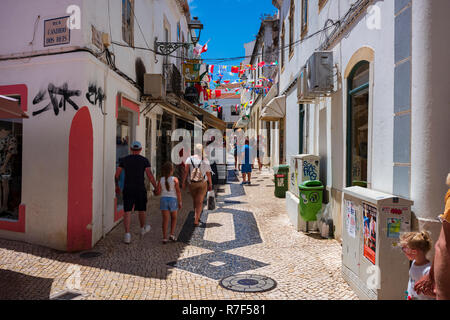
column 247, row 149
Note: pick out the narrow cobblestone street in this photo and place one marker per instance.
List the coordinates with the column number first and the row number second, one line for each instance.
column 248, row 233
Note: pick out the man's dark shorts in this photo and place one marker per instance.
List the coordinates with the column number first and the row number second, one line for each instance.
column 136, row 199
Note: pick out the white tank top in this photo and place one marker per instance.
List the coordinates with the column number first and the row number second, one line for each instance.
column 164, row 192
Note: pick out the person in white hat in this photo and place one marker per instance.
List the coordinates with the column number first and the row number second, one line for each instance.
column 134, row 191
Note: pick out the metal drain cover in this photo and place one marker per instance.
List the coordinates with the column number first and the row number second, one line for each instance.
column 67, row 295
column 248, row 283
column 90, row 255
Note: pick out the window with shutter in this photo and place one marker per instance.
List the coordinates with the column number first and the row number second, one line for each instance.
column 128, row 21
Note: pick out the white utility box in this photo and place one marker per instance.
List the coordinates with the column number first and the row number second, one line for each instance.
column 303, row 167
column 372, row 260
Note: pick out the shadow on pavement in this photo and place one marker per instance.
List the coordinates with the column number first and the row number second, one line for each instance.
column 146, row 257
column 18, row 286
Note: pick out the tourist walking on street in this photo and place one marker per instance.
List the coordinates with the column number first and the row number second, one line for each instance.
column 246, row 165
column 415, row 245
column 200, row 181
column 235, row 151
column 170, row 201
column 437, row 282
column 134, row 191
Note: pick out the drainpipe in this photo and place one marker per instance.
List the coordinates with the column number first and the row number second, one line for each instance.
column 105, row 82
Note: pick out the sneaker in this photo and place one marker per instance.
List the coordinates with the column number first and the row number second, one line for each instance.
column 145, row 230
column 127, row 238
column 172, row 238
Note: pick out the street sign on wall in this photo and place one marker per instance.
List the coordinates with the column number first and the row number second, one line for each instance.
column 56, row 32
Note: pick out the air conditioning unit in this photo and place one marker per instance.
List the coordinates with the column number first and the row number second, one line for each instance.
column 303, row 91
column 155, row 86
column 320, row 72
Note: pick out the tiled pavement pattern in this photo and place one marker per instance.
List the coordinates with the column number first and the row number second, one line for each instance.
column 263, row 243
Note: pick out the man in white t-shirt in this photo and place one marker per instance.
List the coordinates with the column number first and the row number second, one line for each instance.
column 198, row 169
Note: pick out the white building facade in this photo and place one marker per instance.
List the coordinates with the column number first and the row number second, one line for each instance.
column 385, row 124
column 85, row 107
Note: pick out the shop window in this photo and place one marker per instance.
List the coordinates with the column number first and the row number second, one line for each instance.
column 11, row 133
column 358, row 125
column 128, row 21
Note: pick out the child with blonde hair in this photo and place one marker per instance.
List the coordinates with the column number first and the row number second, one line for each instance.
column 415, row 245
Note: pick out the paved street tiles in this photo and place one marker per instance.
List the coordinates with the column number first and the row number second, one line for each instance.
column 257, row 240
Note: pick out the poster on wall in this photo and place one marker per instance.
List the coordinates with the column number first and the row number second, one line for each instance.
column 394, row 227
column 370, row 231
column 350, row 213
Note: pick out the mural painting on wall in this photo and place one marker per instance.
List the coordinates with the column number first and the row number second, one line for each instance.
column 61, row 96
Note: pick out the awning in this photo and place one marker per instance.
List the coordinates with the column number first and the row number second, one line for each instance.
column 241, row 123
column 167, row 106
column 208, row 118
column 10, row 109
column 275, row 109
column 244, row 119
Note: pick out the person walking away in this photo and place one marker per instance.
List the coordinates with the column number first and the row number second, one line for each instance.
column 415, row 245
column 170, row 201
column 200, row 181
column 246, row 166
column 134, row 192
column 437, row 282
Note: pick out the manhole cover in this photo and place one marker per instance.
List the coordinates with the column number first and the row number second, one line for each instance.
column 66, row 295
column 248, row 283
column 90, row 255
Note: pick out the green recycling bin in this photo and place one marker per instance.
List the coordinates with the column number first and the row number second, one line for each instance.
column 281, row 180
column 311, row 195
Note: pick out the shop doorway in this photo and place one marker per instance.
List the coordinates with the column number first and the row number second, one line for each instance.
column 124, row 137
column 11, row 138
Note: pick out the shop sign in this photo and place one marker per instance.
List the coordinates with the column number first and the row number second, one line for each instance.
column 56, row 32
column 191, row 71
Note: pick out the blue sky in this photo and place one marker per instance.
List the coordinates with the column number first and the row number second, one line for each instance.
column 228, row 24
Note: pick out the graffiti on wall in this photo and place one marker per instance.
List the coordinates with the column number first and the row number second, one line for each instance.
column 58, row 98
column 96, row 96
column 309, row 170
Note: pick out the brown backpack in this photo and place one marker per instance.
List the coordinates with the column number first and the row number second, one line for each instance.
column 196, row 174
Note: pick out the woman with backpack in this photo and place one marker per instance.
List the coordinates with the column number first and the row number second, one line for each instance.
column 200, row 181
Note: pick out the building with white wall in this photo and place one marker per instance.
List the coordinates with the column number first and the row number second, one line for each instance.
column 85, row 107
column 385, row 124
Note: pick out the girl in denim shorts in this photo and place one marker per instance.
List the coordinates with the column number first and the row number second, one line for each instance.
column 170, row 201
